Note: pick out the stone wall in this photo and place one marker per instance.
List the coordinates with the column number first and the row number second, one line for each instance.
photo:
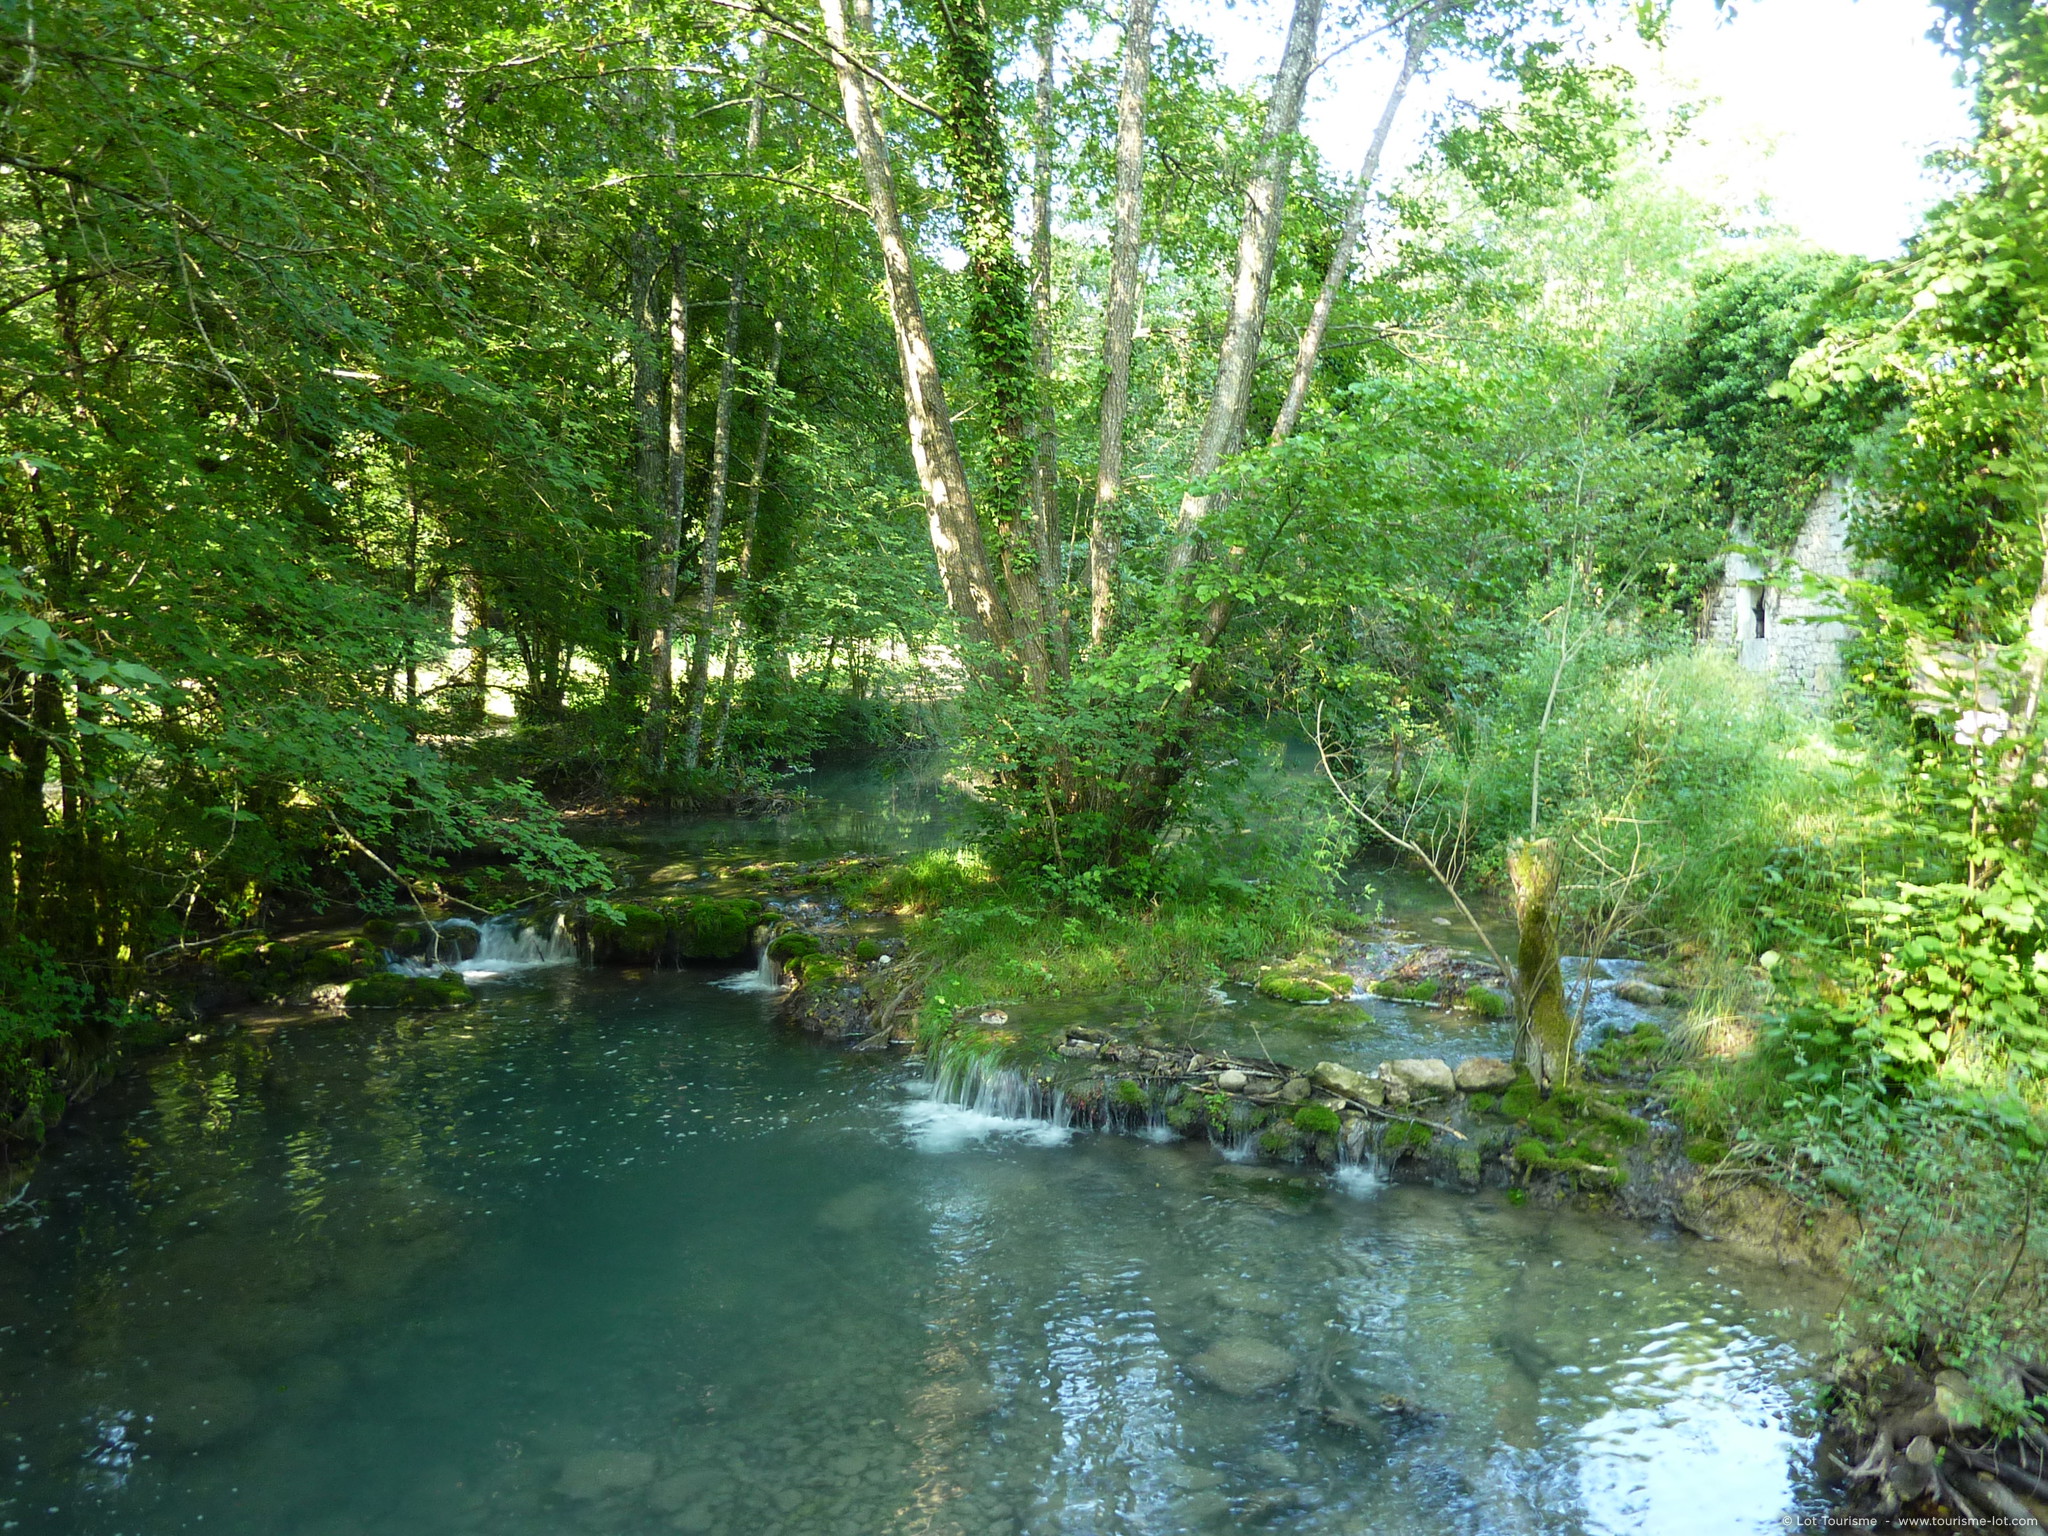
column 1774, row 627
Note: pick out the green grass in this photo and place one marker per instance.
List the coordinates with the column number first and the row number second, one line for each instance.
column 979, row 940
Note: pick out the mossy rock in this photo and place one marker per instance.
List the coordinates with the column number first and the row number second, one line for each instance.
column 815, row 970
column 1300, row 987
column 1488, row 1002
column 1281, row 1140
column 1405, row 991
column 1520, row 1101
column 337, row 962
column 672, row 929
column 1130, row 1095
column 389, row 989
column 1406, row 1136
column 1482, row 1103
column 792, row 944
column 867, row 951
column 1589, row 1163
column 1317, row 1120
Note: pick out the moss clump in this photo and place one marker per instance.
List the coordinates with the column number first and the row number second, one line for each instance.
column 1183, row 1116
column 1482, row 1103
column 388, row 989
column 1488, row 1003
column 1405, row 991
column 1587, row 1161
column 1520, row 1101
column 792, row 944
column 1626, row 1052
column 867, row 951
column 814, row 970
column 1280, row 1141
column 1291, row 988
column 1547, row 1121
column 1130, row 1095
column 1317, row 1120
column 1618, row 1125
column 1468, row 1164
column 1705, row 1151
column 1406, row 1136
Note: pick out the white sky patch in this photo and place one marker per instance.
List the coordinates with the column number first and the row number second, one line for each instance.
column 1819, row 112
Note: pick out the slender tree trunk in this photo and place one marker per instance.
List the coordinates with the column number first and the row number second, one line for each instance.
column 955, row 531
column 1545, row 1045
column 714, row 523
column 1265, row 202
column 999, row 320
column 678, row 417
column 1105, row 545
column 1045, row 470
column 642, row 274
column 729, row 681
column 1414, row 46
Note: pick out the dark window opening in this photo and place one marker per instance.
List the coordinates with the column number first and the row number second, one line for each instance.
column 1757, row 608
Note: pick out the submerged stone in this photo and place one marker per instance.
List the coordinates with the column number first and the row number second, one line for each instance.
column 1243, row 1367
column 599, row 1473
column 389, row 989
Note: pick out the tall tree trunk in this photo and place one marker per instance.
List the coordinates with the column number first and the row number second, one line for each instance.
column 1545, row 1043
column 1414, row 46
column 714, row 523
column 955, row 531
column 1045, row 513
column 1265, row 203
column 728, row 683
column 643, row 270
column 999, row 318
column 678, row 417
column 1105, row 545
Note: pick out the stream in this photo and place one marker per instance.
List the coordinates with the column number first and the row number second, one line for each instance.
column 610, row 1253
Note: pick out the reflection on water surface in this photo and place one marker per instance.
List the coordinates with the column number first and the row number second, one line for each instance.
column 611, row 1256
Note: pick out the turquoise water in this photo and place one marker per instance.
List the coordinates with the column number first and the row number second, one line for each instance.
column 617, row 1256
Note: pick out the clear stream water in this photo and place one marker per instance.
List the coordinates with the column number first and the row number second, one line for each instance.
column 612, row 1254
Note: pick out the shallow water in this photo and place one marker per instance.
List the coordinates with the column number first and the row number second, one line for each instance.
column 616, row 1256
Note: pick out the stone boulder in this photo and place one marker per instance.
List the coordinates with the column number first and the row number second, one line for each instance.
column 1349, row 1084
column 1231, row 1080
column 1644, row 994
column 1422, row 1078
column 1243, row 1367
column 1484, row 1074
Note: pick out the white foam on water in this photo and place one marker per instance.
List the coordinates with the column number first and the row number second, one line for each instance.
column 765, row 978
column 936, row 1126
column 506, row 945
column 1362, row 1181
column 968, row 1099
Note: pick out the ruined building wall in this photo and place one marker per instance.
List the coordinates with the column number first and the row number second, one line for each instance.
column 1772, row 626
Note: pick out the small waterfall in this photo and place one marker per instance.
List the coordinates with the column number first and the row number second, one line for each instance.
column 967, row 1097
column 497, row 946
column 766, row 976
column 509, row 943
column 1360, row 1169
